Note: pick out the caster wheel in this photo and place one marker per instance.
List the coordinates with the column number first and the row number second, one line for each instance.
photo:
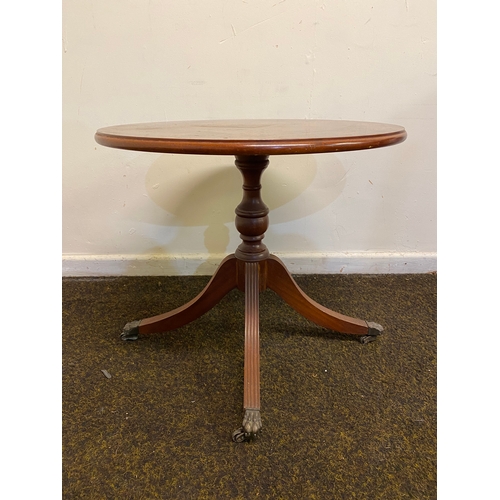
column 374, row 330
column 366, row 339
column 240, row 436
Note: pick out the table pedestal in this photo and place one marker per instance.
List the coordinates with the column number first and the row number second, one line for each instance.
column 252, row 269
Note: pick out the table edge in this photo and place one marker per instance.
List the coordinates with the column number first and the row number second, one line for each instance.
column 248, row 147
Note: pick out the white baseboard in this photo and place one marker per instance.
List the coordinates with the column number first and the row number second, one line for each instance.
column 205, row 265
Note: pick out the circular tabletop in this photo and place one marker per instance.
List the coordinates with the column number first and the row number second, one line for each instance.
column 251, row 137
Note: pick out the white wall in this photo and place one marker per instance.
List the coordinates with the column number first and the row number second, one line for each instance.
column 127, row 61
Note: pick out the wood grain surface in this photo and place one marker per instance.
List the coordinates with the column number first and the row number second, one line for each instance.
column 251, row 137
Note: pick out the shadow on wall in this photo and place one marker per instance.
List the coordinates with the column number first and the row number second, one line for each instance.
column 205, row 191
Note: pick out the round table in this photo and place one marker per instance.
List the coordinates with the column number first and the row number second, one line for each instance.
column 252, row 268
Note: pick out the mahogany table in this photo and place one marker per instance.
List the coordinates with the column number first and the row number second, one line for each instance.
column 251, row 268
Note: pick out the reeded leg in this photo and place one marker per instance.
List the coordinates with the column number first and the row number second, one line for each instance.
column 222, row 282
column 281, row 281
column 251, row 393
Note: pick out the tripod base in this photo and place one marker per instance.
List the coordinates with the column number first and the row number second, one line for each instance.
column 252, row 269
column 252, row 278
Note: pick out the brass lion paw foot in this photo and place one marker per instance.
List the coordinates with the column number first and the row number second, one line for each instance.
column 374, row 330
column 252, row 424
column 130, row 331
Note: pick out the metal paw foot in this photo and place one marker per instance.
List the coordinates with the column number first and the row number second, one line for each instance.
column 130, row 331
column 374, row 330
column 252, row 424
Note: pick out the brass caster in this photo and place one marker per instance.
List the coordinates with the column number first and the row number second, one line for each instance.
column 240, row 436
column 130, row 331
column 252, row 424
column 374, row 330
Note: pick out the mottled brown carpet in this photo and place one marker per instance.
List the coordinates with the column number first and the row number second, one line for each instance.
column 341, row 420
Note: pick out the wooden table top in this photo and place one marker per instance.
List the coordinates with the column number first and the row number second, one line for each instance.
column 251, row 137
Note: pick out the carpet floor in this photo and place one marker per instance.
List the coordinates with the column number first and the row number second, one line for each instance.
column 341, row 420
